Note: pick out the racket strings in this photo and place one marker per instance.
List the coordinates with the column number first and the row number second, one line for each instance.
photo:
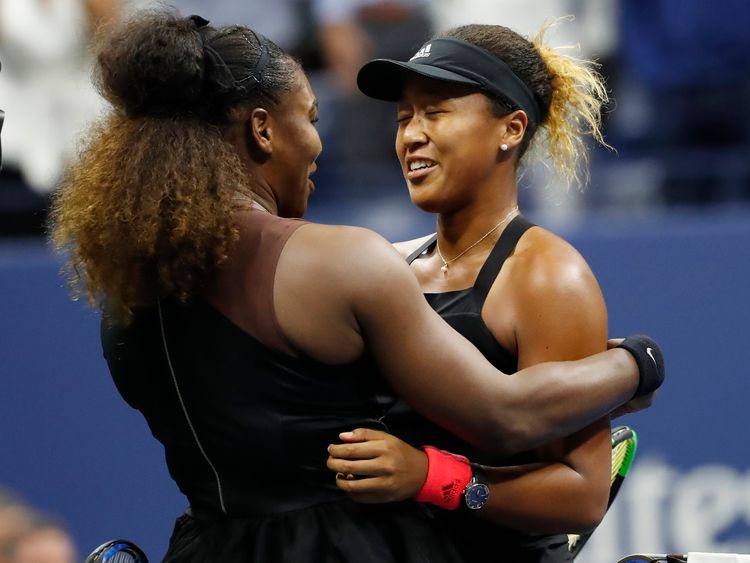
column 619, row 453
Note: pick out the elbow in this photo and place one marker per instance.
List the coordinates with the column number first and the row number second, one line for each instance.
column 586, row 519
column 519, row 428
column 511, row 434
column 589, row 512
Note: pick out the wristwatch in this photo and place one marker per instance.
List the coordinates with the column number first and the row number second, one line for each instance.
column 477, row 492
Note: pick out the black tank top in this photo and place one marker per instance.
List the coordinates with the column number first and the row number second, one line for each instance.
column 478, row 539
column 245, row 429
column 462, row 309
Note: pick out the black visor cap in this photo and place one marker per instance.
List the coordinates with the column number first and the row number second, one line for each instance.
column 454, row 61
column 383, row 79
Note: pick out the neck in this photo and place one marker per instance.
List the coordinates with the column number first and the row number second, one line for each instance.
column 262, row 192
column 264, row 197
column 460, row 228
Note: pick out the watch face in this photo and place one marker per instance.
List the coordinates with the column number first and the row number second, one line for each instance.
column 476, row 496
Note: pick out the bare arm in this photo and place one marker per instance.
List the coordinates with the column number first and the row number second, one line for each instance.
column 390, row 470
column 547, row 306
column 558, row 313
column 337, row 288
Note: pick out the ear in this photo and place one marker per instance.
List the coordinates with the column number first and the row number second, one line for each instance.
column 261, row 131
column 515, row 128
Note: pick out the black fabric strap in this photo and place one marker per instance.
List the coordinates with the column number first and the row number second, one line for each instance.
column 503, row 248
column 418, row 252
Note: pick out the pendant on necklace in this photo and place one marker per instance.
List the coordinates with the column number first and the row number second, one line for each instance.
column 444, row 268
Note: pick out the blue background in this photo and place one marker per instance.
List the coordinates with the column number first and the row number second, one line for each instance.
column 70, row 445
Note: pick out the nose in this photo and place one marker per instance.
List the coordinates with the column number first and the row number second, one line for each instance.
column 319, row 145
column 413, row 133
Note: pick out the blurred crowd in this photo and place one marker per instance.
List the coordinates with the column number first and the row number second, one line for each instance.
column 677, row 70
column 26, row 536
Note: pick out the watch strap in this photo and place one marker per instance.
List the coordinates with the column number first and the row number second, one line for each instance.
column 479, row 475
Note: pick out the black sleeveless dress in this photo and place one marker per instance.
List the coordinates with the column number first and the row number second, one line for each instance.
column 477, row 539
column 245, row 430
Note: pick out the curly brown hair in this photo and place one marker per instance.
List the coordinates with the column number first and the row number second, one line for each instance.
column 147, row 210
column 569, row 92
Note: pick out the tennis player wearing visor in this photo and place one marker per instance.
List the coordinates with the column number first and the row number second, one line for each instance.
column 472, row 102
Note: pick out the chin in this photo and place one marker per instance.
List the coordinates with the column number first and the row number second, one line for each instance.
column 423, row 201
column 301, row 211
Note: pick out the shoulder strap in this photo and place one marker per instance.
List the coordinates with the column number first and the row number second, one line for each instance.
column 504, row 246
column 242, row 289
column 419, row 251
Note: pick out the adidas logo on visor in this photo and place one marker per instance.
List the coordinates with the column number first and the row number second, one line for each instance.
column 424, row 52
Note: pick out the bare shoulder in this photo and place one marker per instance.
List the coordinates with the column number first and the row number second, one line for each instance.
column 342, row 241
column 325, row 277
column 405, row 248
column 544, row 262
column 551, row 300
column 341, row 253
column 337, row 238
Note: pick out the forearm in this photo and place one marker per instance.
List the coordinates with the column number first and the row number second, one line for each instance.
column 557, row 399
column 544, row 498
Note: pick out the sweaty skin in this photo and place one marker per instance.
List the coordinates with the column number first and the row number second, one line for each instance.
column 544, row 305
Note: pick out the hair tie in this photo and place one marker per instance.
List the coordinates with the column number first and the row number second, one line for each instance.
column 257, row 72
column 198, row 21
column 256, row 75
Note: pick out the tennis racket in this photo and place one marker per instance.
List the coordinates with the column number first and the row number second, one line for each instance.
column 117, row 551
column 654, row 558
column 624, row 445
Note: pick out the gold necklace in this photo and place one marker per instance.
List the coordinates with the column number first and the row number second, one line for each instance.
column 444, row 267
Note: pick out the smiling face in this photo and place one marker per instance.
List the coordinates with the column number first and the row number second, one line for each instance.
column 296, row 146
column 447, row 143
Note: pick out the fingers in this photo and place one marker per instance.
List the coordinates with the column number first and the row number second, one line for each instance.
column 635, row 405
column 366, row 467
column 614, row 342
column 361, row 435
column 371, row 490
column 643, row 402
column 359, row 450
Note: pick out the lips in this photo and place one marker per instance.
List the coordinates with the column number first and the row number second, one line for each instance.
column 313, row 169
column 419, row 167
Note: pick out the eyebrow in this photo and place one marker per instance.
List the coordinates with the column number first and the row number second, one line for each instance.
column 429, row 99
column 314, row 105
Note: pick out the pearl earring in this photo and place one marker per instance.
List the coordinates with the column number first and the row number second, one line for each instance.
column 503, row 147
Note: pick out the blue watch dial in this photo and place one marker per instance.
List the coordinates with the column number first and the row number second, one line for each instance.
column 476, row 495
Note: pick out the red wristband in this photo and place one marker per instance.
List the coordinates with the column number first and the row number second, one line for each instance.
column 447, row 477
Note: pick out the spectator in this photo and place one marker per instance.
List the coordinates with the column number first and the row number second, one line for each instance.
column 359, row 143
column 15, row 519
column 45, row 85
column 688, row 60
column 279, row 20
column 46, row 541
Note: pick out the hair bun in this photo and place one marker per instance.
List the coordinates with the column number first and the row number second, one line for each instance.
column 153, row 65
